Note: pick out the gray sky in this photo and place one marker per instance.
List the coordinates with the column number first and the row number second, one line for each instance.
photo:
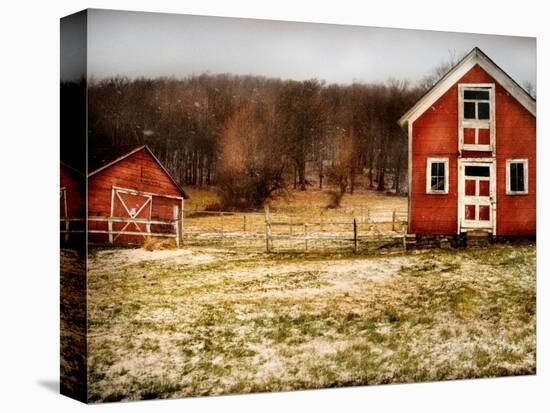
column 149, row 44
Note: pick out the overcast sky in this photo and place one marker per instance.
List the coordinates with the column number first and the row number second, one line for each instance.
column 148, row 44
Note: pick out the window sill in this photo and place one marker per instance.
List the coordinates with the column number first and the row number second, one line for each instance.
column 438, row 193
column 477, row 148
column 516, row 193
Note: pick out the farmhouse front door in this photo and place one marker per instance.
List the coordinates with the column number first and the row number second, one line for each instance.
column 476, row 195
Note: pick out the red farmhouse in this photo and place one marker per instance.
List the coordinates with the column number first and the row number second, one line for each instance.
column 130, row 196
column 472, row 154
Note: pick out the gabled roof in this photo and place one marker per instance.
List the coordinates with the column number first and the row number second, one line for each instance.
column 100, row 159
column 72, row 169
column 100, row 156
column 475, row 57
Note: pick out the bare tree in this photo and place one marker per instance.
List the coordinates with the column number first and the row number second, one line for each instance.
column 340, row 171
column 302, row 115
column 441, row 69
column 188, row 122
column 252, row 162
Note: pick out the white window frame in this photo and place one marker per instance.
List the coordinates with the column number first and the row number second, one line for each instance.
column 476, row 123
column 429, row 163
column 525, row 163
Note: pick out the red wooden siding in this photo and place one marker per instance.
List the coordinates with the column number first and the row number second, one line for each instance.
column 74, row 185
column 138, row 172
column 435, row 134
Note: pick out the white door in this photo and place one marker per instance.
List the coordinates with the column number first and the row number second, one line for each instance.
column 476, row 194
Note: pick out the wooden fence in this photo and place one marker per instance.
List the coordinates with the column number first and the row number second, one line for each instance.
column 371, row 228
column 131, row 226
column 363, row 229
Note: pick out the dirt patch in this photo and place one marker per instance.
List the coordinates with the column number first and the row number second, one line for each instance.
column 118, row 257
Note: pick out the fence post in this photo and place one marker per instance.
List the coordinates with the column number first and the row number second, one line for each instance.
column 221, row 225
column 176, row 215
column 67, row 225
column 354, row 235
column 267, row 230
column 305, row 235
column 182, row 218
column 244, row 223
column 110, row 228
column 321, row 222
column 393, row 220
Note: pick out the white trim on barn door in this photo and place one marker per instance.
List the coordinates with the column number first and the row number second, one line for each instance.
column 132, row 212
column 465, row 225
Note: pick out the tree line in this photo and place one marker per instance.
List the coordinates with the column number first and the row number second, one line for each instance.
column 250, row 136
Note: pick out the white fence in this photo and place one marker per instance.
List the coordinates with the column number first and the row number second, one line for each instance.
column 140, row 227
column 364, row 228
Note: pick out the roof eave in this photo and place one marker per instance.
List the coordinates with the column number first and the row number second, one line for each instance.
column 139, row 148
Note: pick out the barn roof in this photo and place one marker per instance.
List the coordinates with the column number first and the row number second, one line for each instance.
column 475, row 57
column 102, row 158
column 72, row 169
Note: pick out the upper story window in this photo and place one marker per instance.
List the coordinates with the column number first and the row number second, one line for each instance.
column 476, row 121
column 476, row 104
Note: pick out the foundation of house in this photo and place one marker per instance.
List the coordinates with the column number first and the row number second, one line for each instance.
column 470, row 239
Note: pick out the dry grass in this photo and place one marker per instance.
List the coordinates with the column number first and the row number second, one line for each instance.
column 308, row 203
column 158, row 243
column 206, row 321
column 372, row 211
column 305, row 202
column 200, row 198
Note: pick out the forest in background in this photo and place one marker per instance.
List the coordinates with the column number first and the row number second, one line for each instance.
column 251, row 136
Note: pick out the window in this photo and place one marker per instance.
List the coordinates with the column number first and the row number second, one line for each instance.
column 516, row 177
column 482, row 171
column 437, row 176
column 476, row 103
column 476, row 117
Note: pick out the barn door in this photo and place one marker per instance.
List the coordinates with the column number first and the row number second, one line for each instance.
column 134, row 208
column 477, row 205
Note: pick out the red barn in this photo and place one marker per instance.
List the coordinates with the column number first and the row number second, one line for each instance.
column 72, row 202
column 71, row 192
column 472, row 154
column 130, row 196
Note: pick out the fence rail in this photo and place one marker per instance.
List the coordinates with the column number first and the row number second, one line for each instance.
column 114, row 233
column 271, row 232
column 281, row 232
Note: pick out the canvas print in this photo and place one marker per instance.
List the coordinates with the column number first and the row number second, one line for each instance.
column 264, row 206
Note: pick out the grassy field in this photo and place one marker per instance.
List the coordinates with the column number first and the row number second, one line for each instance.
column 204, row 321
